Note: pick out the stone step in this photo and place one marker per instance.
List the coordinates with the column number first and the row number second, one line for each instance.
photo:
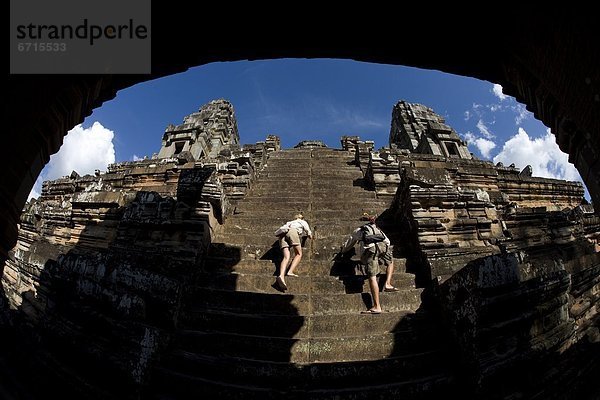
column 241, row 224
column 304, row 168
column 346, row 228
column 313, row 267
column 291, row 303
column 287, row 208
column 238, row 223
column 330, row 184
column 333, row 156
column 234, row 227
column 308, row 282
column 283, row 158
column 276, row 207
column 313, row 217
column 332, row 168
column 180, row 385
column 289, row 160
column 326, row 189
column 331, row 165
column 343, row 200
column 329, row 154
column 305, row 205
column 245, row 225
column 302, row 350
column 310, row 173
column 317, row 151
column 292, row 196
column 282, row 374
column 243, row 239
column 282, row 191
column 290, row 154
column 309, row 176
column 376, row 206
column 316, row 326
column 320, row 250
column 260, row 245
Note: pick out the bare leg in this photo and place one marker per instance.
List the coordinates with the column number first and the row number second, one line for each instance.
column 284, row 263
column 374, row 293
column 388, row 279
column 296, row 259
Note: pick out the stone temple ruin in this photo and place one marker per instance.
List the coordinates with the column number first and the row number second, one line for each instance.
column 154, row 279
column 418, row 129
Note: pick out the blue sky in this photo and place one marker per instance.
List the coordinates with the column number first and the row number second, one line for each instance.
column 301, row 99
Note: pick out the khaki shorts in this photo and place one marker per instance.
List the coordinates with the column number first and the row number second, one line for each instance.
column 373, row 262
column 290, row 239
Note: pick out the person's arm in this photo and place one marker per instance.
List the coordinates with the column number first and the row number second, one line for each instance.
column 306, row 228
column 351, row 241
column 386, row 240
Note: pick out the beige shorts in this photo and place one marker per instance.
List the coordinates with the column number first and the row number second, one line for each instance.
column 290, row 239
column 373, row 262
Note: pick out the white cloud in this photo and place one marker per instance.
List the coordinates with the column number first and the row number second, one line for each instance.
column 346, row 116
column 135, row 157
column 484, row 146
column 521, row 112
column 36, row 191
column 541, row 153
column 84, row 150
column 469, row 137
column 497, row 90
column 484, row 129
column 467, row 115
column 519, row 109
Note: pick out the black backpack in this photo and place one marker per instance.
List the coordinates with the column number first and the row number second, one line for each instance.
column 369, row 236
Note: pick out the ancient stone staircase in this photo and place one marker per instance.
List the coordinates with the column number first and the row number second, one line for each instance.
column 242, row 338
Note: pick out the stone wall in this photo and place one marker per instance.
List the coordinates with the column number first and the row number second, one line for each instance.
column 514, row 262
column 466, row 209
column 261, row 150
column 100, row 270
column 102, row 261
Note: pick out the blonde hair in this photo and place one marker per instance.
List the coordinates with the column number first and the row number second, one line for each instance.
column 298, row 216
column 368, row 217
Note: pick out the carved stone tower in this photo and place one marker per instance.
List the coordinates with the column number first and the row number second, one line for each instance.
column 203, row 133
column 419, row 129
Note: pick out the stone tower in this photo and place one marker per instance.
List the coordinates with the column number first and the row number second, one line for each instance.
column 417, row 128
column 203, row 133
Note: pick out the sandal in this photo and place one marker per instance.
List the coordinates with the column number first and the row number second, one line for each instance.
column 391, row 289
column 371, row 312
column 292, row 274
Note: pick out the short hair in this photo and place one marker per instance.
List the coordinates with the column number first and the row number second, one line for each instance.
column 298, row 216
column 368, row 217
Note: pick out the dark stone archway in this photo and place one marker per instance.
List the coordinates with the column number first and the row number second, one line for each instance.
column 548, row 61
